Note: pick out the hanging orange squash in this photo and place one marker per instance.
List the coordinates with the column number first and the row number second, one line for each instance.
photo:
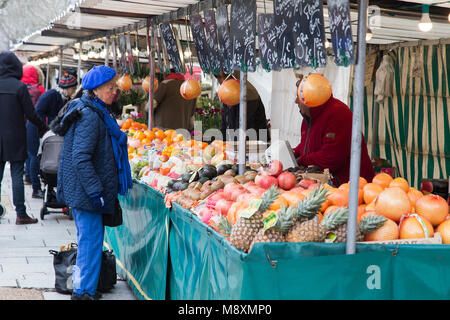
column 146, row 84
column 190, row 89
column 314, row 90
column 125, row 83
column 229, row 92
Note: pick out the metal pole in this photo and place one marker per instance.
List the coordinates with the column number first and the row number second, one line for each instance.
column 355, row 156
column 376, row 115
column 107, row 52
column 79, row 64
column 242, row 122
column 47, row 80
column 61, row 62
column 151, row 63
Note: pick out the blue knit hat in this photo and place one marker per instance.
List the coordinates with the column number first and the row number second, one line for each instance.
column 97, row 76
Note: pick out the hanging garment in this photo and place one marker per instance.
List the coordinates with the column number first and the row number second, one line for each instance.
column 384, row 79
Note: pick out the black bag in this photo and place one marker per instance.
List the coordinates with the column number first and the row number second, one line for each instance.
column 115, row 219
column 108, row 273
column 64, row 260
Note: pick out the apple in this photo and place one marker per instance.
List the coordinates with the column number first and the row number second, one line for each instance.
column 426, row 187
column 275, row 168
column 305, row 183
column 286, row 180
column 223, row 206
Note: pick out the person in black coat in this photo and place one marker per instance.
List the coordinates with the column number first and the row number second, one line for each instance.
column 15, row 105
column 47, row 108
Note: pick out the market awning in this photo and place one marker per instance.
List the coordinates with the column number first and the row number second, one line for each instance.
column 92, row 19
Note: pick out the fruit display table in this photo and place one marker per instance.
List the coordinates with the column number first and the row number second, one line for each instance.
column 170, row 254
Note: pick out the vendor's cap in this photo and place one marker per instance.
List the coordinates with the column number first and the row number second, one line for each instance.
column 67, row 80
column 97, row 76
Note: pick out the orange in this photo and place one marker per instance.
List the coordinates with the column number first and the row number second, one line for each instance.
column 362, row 182
column 361, row 211
column 401, row 183
column 145, row 141
column 330, row 209
column 149, row 134
column 278, row 203
column 388, row 231
column 382, row 179
column 371, row 191
column 444, row 230
column 160, row 134
column 126, row 125
column 292, row 197
column 320, row 217
column 339, row 198
column 130, row 149
column 414, row 194
column 415, row 226
column 344, row 186
column 178, row 138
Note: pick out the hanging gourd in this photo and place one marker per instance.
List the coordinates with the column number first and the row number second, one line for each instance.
column 125, row 83
column 229, row 92
column 314, row 90
column 190, row 89
column 146, row 84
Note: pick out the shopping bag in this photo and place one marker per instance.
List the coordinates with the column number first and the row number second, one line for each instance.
column 63, row 262
column 65, row 259
column 108, row 273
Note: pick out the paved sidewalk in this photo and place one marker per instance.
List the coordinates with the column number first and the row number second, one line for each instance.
column 26, row 266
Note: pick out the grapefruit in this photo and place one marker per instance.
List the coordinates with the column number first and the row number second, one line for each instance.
column 444, row 230
column 432, row 207
column 401, row 183
column 371, row 191
column 415, row 226
column 388, row 231
column 393, row 203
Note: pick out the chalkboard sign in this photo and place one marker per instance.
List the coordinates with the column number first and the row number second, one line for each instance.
column 309, row 34
column 341, row 31
column 243, row 30
column 223, row 35
column 267, row 36
column 171, row 46
column 284, row 23
column 198, row 35
column 211, row 39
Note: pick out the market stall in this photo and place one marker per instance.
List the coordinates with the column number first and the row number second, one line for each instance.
column 220, row 220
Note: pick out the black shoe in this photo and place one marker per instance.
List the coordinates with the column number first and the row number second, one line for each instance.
column 27, row 180
column 2, row 210
column 26, row 220
column 84, row 296
column 37, row 194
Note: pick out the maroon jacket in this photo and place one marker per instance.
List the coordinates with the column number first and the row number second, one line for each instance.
column 326, row 142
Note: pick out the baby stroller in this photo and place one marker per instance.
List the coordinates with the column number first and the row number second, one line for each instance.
column 49, row 154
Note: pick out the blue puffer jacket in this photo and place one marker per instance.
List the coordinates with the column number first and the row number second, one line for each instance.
column 87, row 164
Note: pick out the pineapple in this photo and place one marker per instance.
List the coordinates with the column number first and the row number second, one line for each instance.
column 246, row 228
column 276, row 233
column 306, row 228
column 224, row 227
column 336, row 223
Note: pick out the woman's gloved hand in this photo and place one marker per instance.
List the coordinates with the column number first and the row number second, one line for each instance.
column 98, row 201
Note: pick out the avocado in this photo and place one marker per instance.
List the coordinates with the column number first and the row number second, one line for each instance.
column 222, row 168
column 203, row 179
column 170, row 183
column 183, row 185
column 208, row 171
column 186, row 176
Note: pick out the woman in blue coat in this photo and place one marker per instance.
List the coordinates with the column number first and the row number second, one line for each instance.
column 93, row 169
column 47, row 108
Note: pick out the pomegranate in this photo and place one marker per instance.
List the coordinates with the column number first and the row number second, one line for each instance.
column 266, row 181
column 275, row 168
column 236, row 193
column 206, row 214
column 286, row 180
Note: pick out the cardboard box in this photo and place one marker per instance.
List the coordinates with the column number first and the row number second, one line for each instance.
column 437, row 239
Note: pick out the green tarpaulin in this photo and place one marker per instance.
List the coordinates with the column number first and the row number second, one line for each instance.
column 195, row 262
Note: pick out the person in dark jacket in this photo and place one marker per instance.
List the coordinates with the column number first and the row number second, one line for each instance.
column 326, row 134
column 15, row 105
column 93, row 170
column 256, row 114
column 47, row 108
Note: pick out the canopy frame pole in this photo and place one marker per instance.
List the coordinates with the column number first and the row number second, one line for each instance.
column 151, row 63
column 355, row 154
column 107, row 51
column 242, row 122
column 376, row 116
column 79, row 64
column 61, row 57
column 47, row 80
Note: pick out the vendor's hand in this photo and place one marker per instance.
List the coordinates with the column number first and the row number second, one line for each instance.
column 98, row 201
